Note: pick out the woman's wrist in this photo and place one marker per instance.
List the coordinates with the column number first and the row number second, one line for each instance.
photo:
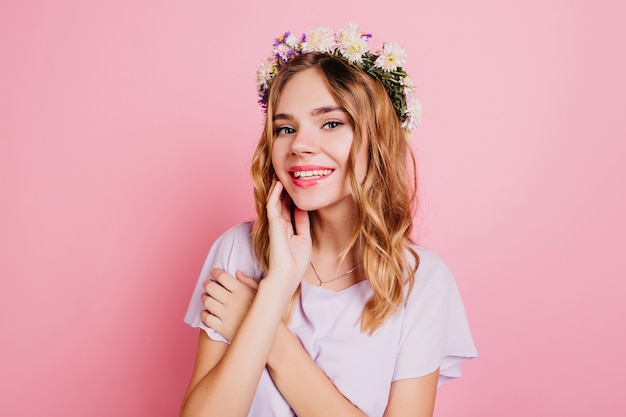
column 282, row 289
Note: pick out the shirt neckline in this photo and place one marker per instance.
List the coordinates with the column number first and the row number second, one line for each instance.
column 320, row 289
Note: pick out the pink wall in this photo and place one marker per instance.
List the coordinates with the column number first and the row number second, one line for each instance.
column 126, row 128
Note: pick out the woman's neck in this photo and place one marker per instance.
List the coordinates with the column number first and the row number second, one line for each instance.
column 332, row 229
column 330, row 235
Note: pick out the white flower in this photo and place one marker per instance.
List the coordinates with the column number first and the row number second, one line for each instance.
column 412, row 116
column 391, row 57
column 291, row 41
column 264, row 74
column 319, row 40
column 351, row 30
column 352, row 45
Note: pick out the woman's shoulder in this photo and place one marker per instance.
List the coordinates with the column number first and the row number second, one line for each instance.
column 233, row 249
column 240, row 231
column 429, row 261
column 432, row 270
column 238, row 235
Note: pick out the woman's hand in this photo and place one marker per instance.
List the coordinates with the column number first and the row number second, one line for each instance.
column 290, row 250
column 227, row 300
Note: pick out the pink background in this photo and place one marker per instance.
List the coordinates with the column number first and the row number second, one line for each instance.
column 126, row 131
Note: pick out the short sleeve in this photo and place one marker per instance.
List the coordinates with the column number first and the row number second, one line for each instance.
column 435, row 331
column 232, row 251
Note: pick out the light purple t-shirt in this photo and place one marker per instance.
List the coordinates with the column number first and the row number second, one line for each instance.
column 429, row 332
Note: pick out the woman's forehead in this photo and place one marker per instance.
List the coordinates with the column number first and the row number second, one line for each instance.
column 306, row 91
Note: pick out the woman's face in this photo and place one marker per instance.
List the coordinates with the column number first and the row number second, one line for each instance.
column 312, row 141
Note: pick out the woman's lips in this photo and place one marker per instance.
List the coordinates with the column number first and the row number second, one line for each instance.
column 309, row 175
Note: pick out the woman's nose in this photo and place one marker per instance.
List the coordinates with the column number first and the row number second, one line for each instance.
column 305, row 141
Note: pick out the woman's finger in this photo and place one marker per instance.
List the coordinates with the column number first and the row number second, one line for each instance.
column 226, row 280
column 212, row 305
column 273, row 200
column 211, row 321
column 302, row 223
column 216, row 290
column 286, row 208
column 249, row 281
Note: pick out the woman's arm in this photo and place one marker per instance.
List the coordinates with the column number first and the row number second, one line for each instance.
column 225, row 378
column 302, row 383
column 413, row 397
column 310, row 393
column 305, row 387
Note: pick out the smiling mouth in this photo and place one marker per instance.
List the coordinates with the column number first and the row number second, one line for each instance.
column 312, row 174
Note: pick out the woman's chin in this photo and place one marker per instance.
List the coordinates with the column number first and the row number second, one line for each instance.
column 306, row 206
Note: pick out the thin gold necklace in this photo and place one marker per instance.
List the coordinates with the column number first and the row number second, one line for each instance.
column 349, row 271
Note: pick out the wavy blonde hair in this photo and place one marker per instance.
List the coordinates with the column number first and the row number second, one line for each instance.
column 384, row 201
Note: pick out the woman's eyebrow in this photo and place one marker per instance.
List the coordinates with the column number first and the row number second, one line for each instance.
column 327, row 109
column 314, row 112
column 282, row 116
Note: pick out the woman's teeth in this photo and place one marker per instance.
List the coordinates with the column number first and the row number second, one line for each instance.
column 311, row 175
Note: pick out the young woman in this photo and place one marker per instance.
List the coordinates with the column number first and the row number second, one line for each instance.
column 323, row 306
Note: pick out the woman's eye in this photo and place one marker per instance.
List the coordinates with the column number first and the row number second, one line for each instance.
column 285, row 130
column 332, row 124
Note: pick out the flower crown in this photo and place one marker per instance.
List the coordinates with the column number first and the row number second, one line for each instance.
column 384, row 65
